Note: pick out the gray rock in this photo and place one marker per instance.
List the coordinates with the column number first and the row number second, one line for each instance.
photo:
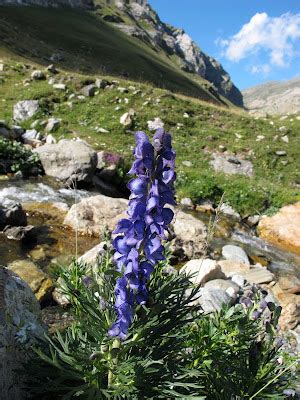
column 52, row 125
column 92, row 215
column 259, row 275
column 190, row 236
column 212, row 299
column 20, row 232
column 31, row 136
column 126, row 119
column 93, row 255
column 38, row 75
column 235, row 253
column 12, row 213
column 238, row 279
column 253, row 220
column 101, row 83
column 229, row 212
column 187, row 202
column 25, row 109
column 20, row 327
column 50, row 139
column 51, row 68
column 89, row 90
column 68, row 161
column 157, row 123
column 59, row 86
column 280, row 153
column 231, row 165
column 202, row 270
column 228, row 286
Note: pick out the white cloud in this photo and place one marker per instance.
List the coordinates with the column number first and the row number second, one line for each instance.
column 274, row 35
column 264, row 69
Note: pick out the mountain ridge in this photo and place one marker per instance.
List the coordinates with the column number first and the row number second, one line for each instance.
column 138, row 20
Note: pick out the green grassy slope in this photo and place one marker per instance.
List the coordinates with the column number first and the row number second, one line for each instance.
column 89, row 45
column 276, row 180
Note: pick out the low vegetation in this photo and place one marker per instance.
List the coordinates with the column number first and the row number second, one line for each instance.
column 198, row 130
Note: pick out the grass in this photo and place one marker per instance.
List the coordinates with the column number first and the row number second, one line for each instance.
column 90, row 45
column 274, row 184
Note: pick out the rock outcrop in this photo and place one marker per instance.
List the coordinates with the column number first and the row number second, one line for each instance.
column 283, row 228
column 275, row 98
column 176, row 43
column 20, row 326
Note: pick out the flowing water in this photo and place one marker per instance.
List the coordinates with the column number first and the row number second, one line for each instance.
column 56, row 244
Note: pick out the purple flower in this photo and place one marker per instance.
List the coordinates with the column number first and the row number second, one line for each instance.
column 138, row 246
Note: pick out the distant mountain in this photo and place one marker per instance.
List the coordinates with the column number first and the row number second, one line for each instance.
column 142, row 47
column 274, row 98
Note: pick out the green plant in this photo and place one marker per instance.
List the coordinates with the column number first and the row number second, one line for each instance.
column 14, row 157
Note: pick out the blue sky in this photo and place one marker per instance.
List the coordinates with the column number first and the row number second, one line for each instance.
column 255, row 40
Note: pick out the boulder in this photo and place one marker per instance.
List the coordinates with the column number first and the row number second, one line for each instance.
column 38, row 75
column 231, row 268
column 229, row 212
column 25, row 109
column 190, row 236
column 230, row 287
column 93, row 214
column 231, row 165
column 12, row 213
column 52, row 124
column 89, row 90
column 38, row 281
column 283, row 228
column 68, row 161
column 20, row 327
column 93, row 255
column 259, row 275
column 212, row 299
column 101, row 83
column 235, row 253
column 203, row 270
column 24, row 233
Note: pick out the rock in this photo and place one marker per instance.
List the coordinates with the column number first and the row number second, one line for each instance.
column 190, row 236
column 38, row 75
column 280, row 153
column 238, row 279
column 285, row 139
column 93, row 255
column 253, row 220
column 259, row 275
column 228, row 286
column 59, row 295
column 123, row 90
column 68, row 161
column 202, row 270
column 93, row 214
column 187, row 163
column 229, row 212
column 290, row 303
column 212, row 299
column 231, row 165
column 235, row 253
column 59, row 86
column 283, row 228
column 24, row 233
column 31, row 136
column 126, row 119
column 52, row 124
column 205, row 206
column 39, row 282
column 20, row 327
column 101, row 83
column 25, row 109
column 16, row 132
column 89, row 90
column 11, row 213
column 55, row 57
column 157, row 123
column 50, row 139
column 2, row 67
column 231, row 268
column 187, row 202
column 51, row 68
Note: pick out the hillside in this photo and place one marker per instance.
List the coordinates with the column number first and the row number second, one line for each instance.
column 117, row 39
column 274, row 98
column 219, row 150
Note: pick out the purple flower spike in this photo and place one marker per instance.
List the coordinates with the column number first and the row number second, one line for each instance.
column 138, row 246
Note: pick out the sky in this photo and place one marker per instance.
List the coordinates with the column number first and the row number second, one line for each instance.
column 255, row 40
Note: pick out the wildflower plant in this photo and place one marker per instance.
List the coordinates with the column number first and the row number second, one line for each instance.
column 138, row 331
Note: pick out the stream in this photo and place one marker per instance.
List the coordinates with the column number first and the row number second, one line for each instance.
column 56, row 244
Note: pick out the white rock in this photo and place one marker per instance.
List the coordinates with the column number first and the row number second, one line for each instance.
column 235, row 253
column 38, row 75
column 25, row 109
column 285, row 139
column 230, row 212
column 59, row 86
column 157, row 123
column 52, row 124
column 202, row 271
column 50, row 139
column 126, row 119
column 186, row 202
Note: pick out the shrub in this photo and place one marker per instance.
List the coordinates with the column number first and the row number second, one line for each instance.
column 15, row 157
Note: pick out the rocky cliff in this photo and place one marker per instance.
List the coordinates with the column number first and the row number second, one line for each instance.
column 146, row 25
column 275, row 98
